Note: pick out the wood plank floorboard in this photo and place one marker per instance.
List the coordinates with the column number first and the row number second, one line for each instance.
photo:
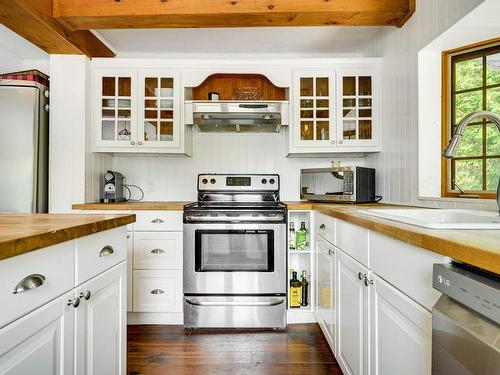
column 164, row 350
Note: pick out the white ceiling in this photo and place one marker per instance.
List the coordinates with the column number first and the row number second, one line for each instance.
column 19, row 46
column 290, row 40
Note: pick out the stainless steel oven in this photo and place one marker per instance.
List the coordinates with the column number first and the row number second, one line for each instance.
column 235, row 254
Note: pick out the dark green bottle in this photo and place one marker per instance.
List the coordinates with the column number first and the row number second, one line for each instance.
column 305, row 288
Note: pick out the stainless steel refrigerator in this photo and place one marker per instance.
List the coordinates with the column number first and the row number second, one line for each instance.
column 24, row 140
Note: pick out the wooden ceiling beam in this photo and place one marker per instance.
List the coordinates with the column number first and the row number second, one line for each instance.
column 33, row 20
column 125, row 14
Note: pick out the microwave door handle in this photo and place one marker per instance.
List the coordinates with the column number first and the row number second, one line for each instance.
column 197, row 302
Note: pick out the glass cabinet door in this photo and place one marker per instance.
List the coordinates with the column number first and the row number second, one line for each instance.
column 314, row 106
column 116, row 109
column 158, row 109
column 357, row 108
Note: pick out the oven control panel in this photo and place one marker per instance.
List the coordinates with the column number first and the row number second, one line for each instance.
column 234, row 182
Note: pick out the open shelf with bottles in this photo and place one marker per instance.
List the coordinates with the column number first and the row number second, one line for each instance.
column 301, row 260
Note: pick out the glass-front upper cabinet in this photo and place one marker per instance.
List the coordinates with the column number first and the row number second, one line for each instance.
column 314, row 107
column 114, row 114
column 159, row 109
column 357, row 107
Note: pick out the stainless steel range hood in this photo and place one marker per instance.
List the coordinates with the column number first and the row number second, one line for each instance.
column 237, row 116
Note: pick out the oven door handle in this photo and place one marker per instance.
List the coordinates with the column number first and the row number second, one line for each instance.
column 197, row 302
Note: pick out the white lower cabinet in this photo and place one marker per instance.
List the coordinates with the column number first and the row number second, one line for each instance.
column 158, row 291
column 400, row 332
column 40, row 342
column 352, row 316
column 325, row 286
column 100, row 324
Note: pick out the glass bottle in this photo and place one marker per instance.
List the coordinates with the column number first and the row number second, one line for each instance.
column 295, row 291
column 301, row 237
column 305, row 288
column 291, row 237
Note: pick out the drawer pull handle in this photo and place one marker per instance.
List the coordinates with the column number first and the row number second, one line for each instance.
column 106, row 250
column 157, row 221
column 322, row 227
column 198, row 302
column 29, row 282
column 157, row 291
column 157, row 251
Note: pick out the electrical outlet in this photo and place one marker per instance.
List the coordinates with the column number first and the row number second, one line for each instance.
column 151, row 186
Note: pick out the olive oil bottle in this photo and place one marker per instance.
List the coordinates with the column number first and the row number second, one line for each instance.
column 305, row 288
column 301, row 242
column 295, row 291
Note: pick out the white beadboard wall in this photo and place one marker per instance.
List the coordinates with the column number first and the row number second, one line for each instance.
column 397, row 165
column 174, row 178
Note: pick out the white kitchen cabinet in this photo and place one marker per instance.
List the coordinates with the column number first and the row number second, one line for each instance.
column 158, row 291
column 40, row 342
column 400, row 332
column 101, row 324
column 357, row 107
column 115, row 108
column 138, row 111
column 335, row 111
column 325, row 285
column 130, row 262
column 352, row 316
column 158, row 250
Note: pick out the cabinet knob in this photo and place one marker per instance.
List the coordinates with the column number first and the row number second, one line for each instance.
column 331, row 252
column 86, row 295
column 132, row 143
column 341, row 142
column 322, row 227
column 106, row 250
column 360, row 275
column 157, row 291
column 75, row 302
column 333, row 142
column 368, row 282
column 139, row 143
column 29, row 282
column 128, row 235
column 157, row 251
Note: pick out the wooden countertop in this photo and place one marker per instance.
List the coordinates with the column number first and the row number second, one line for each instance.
column 133, row 206
column 480, row 248
column 21, row 233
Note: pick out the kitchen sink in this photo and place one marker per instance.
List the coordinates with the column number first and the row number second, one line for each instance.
column 438, row 218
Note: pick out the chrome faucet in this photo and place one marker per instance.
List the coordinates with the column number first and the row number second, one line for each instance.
column 450, row 150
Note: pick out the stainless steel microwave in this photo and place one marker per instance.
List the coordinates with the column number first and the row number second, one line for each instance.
column 338, row 184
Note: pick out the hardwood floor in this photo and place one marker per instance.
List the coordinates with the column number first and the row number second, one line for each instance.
column 301, row 349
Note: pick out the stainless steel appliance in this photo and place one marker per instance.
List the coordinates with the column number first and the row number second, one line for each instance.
column 112, row 190
column 235, row 253
column 466, row 321
column 237, row 116
column 24, row 142
column 338, row 184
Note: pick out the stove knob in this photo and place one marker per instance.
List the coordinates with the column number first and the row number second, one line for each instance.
column 204, row 181
column 271, row 181
column 212, row 181
column 264, row 181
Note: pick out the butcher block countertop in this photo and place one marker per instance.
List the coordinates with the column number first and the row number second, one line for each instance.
column 133, row 206
column 481, row 248
column 21, row 233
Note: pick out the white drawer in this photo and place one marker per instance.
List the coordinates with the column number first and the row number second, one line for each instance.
column 324, row 226
column 108, row 212
column 158, row 291
column 99, row 252
column 158, row 220
column 55, row 263
column 353, row 240
column 157, row 251
column 407, row 267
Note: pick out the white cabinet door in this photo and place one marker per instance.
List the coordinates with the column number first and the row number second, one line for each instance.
column 325, row 287
column 159, row 109
column 115, row 108
column 314, row 108
column 130, row 264
column 357, row 106
column 400, row 332
column 352, row 316
column 101, row 323
column 40, row 342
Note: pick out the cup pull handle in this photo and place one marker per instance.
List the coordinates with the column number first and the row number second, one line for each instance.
column 106, row 250
column 29, row 282
column 157, row 221
column 157, row 291
column 157, row 251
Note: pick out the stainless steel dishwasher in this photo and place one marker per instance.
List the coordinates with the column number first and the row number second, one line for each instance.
column 465, row 321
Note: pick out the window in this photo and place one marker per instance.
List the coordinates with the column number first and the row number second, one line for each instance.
column 474, row 84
